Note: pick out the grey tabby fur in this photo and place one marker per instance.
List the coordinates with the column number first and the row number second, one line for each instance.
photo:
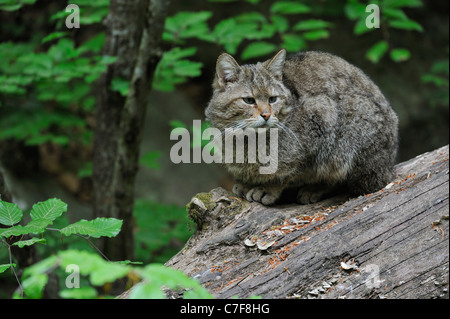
column 336, row 128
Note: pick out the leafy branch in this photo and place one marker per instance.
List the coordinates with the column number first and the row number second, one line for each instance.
column 96, row 266
column 43, row 214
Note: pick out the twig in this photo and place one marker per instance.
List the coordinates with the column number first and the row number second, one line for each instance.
column 12, row 268
column 88, row 240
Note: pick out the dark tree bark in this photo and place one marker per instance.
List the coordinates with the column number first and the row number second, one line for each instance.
column 390, row 244
column 4, row 192
column 134, row 30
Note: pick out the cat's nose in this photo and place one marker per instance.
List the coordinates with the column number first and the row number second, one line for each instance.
column 265, row 116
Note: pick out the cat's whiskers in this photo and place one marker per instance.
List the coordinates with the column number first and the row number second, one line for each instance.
column 236, row 125
column 288, row 131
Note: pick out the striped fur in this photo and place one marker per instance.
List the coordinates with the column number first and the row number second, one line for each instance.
column 336, row 128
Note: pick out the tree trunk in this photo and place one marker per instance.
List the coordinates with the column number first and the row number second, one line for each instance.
column 389, row 244
column 134, row 30
column 4, row 192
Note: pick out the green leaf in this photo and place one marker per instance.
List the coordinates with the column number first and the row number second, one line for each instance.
column 10, row 213
column 440, row 66
column 176, row 124
column 108, row 272
column 29, row 242
column 361, row 27
column 164, row 276
column 251, row 17
column 108, row 227
column 311, row 24
column 354, row 10
column 400, row 55
column 128, row 262
column 150, row 160
column 33, row 227
column 406, row 25
column 377, row 51
column 54, row 35
column 394, row 13
column 185, row 25
column 186, row 68
column 79, row 293
column 173, row 69
column 439, row 81
column 94, row 44
column 48, row 210
column 280, row 23
column 120, row 85
column 257, row 49
column 34, row 286
column 13, row 5
column 5, row 267
column 99, row 270
column 316, row 35
column 42, row 266
column 293, row 43
column 402, row 3
column 147, row 291
column 285, row 7
column 231, row 32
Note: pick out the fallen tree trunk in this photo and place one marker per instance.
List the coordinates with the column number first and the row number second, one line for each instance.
column 389, row 244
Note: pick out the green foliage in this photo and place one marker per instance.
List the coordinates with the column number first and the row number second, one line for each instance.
column 48, row 80
column 156, row 275
column 438, row 77
column 377, row 51
column 120, row 85
column 392, row 15
column 150, row 160
column 99, row 227
column 95, row 268
column 98, row 270
column 159, row 228
column 43, row 214
column 399, row 55
column 185, row 25
column 13, row 5
column 175, row 69
column 252, row 28
column 257, row 49
column 289, row 7
column 10, row 214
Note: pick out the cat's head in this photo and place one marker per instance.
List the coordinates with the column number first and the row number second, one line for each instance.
column 249, row 95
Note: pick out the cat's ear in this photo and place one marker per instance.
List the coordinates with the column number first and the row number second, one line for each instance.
column 227, row 69
column 276, row 64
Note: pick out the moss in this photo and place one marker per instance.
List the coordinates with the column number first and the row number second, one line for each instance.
column 206, row 198
column 198, row 215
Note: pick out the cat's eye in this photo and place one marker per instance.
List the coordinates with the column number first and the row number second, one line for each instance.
column 249, row 100
column 272, row 99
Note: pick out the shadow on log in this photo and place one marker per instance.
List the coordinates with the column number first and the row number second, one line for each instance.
column 389, row 244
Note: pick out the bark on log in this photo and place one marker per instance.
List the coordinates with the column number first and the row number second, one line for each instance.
column 389, row 244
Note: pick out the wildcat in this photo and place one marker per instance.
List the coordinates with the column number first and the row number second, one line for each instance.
column 336, row 128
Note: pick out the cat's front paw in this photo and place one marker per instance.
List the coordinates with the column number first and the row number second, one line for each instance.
column 239, row 190
column 262, row 195
column 310, row 195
